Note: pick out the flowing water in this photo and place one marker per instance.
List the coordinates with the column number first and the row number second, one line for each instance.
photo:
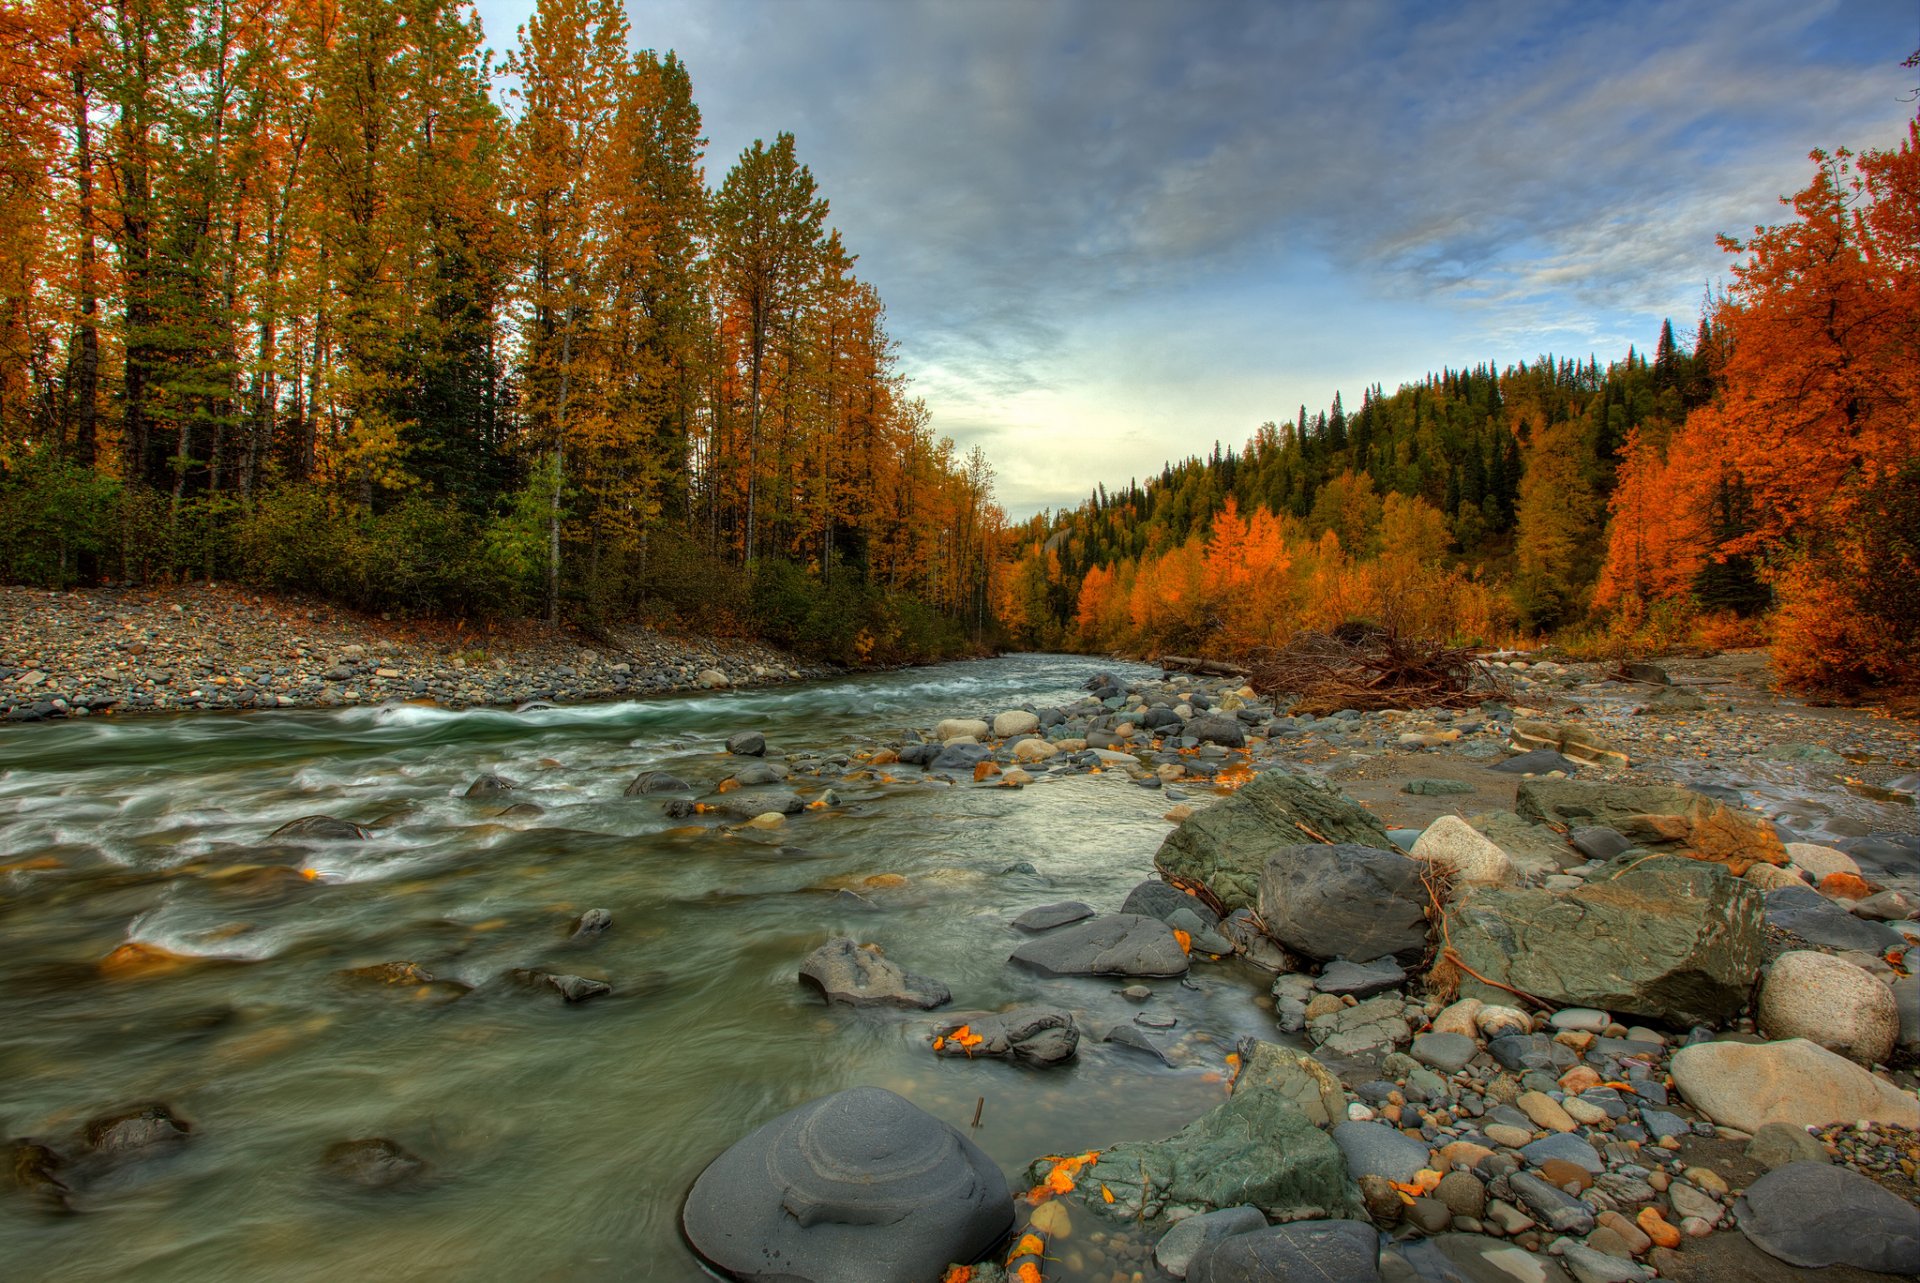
column 562, row 1138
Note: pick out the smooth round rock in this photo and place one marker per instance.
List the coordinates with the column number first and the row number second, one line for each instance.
column 1829, row 1001
column 1448, row 1053
column 1375, row 1149
column 861, row 1186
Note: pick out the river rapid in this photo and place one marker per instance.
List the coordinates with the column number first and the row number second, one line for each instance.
column 561, row 1138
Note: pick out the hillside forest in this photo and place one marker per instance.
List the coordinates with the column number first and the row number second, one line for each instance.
column 1758, row 480
column 316, row 296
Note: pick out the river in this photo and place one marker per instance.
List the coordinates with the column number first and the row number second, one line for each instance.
column 561, row 1137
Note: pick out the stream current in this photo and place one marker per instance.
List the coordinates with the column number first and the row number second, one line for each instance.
column 561, row 1138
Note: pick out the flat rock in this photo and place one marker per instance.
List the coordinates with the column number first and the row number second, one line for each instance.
column 1134, row 1038
column 320, row 828
column 1345, row 900
column 1256, row 1149
column 1345, row 1251
column 1178, row 1246
column 1225, row 847
column 1375, row 1149
column 1818, row 920
column 1048, row 916
column 1815, row 1214
column 1361, row 979
column 1777, row 1144
column 1657, row 817
column 1668, row 938
column 1037, row 1036
column 1117, row 944
column 857, row 1187
column 861, row 976
column 1376, row 1025
column 1449, row 1053
column 1746, row 1086
column 1537, row 761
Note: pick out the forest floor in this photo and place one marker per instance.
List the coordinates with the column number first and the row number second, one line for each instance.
column 67, row 654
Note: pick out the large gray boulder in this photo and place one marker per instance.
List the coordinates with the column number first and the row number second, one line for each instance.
column 856, row 1187
column 860, row 976
column 1815, row 1214
column 1118, row 944
column 1345, row 901
column 1257, row 1149
column 1666, row 938
column 1323, row 1251
column 1226, row 846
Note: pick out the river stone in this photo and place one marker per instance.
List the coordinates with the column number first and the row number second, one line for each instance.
column 1598, row 842
column 1211, row 728
column 1345, row 901
column 1155, row 899
column 861, row 976
column 1665, row 938
column 1375, row 1149
column 1674, row 700
column 1250, row 939
column 739, row 804
column 1747, row 1086
column 1135, row 1038
column 1449, row 1053
column 570, row 987
column 1819, row 861
column 1346, row 1251
column 1830, row 1001
column 1564, row 1147
column 1361, row 979
column 373, row 1163
column 1178, row 1246
column 747, row 744
column 1038, row 1036
column 1376, row 1025
column 1818, row 920
column 1015, row 722
column 757, row 773
column 858, row 1187
column 131, row 1131
column 648, row 783
column 1117, row 944
column 36, row 1172
column 1656, row 817
column 591, row 923
column 1053, row 915
column 1534, row 848
column 490, row 785
column 323, row 828
column 1537, row 761
column 1815, row 1214
column 1257, row 1148
column 1225, row 847
column 960, row 756
column 954, row 728
column 1463, row 852
column 1310, row 1085
column 1551, row 1206
column 1778, row 1144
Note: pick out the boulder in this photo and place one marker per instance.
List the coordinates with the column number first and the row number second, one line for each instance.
column 1830, row 1001
column 320, row 828
column 1038, row 1036
column 1225, row 847
column 1118, row 944
column 1534, row 848
column 1015, row 722
column 1747, row 1086
column 1674, row 700
column 960, row 755
column 954, row 728
column 1256, row 1149
column 1664, row 938
column 1450, row 843
column 1156, row 899
column 1656, row 817
column 1345, row 901
column 858, row 1187
column 490, row 785
column 649, row 783
column 372, row 1163
column 1815, row 1214
column 1178, row 1246
column 747, row 744
column 1310, row 1085
column 1048, row 916
column 1212, row 728
column 1326, row 1251
column 1818, row 920
column 861, row 976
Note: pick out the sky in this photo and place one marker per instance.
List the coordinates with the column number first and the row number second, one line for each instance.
column 1111, row 233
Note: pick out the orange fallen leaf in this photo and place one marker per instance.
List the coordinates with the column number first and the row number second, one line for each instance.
column 1186, row 941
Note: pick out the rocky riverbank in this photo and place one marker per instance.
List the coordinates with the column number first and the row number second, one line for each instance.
column 1551, row 1000
column 120, row 651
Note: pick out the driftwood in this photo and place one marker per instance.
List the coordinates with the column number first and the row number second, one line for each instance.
column 1204, row 667
column 1372, row 669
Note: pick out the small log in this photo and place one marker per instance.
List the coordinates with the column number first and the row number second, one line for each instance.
column 1204, row 667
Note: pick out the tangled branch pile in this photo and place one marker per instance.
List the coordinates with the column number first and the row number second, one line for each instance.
column 1371, row 669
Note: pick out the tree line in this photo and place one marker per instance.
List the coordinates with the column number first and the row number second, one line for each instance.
column 317, row 295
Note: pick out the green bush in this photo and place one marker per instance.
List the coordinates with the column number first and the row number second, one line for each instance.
column 56, row 521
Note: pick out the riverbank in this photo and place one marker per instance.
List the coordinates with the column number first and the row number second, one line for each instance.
column 135, row 650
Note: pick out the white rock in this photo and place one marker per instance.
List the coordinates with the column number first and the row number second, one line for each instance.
column 1034, row 750
column 1584, row 1019
column 1497, row 1021
column 1832, row 1002
column 1796, row 1082
column 955, row 727
column 1460, row 1018
column 711, row 679
column 1771, row 877
column 1818, row 861
column 1015, row 722
column 1456, row 846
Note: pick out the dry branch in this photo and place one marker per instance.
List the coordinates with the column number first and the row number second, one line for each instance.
column 1372, row 669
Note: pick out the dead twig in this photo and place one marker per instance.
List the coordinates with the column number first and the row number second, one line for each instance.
column 1370, row 669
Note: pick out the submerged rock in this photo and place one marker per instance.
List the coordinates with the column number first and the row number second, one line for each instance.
column 1225, row 847
column 320, row 828
column 1668, row 939
column 857, row 1187
column 590, row 924
column 373, row 1163
column 1118, row 944
column 571, row 988
column 490, row 785
column 1345, row 901
column 648, row 783
column 861, row 976
column 747, row 744
column 1257, row 1149
column 136, row 1130
column 36, row 1171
